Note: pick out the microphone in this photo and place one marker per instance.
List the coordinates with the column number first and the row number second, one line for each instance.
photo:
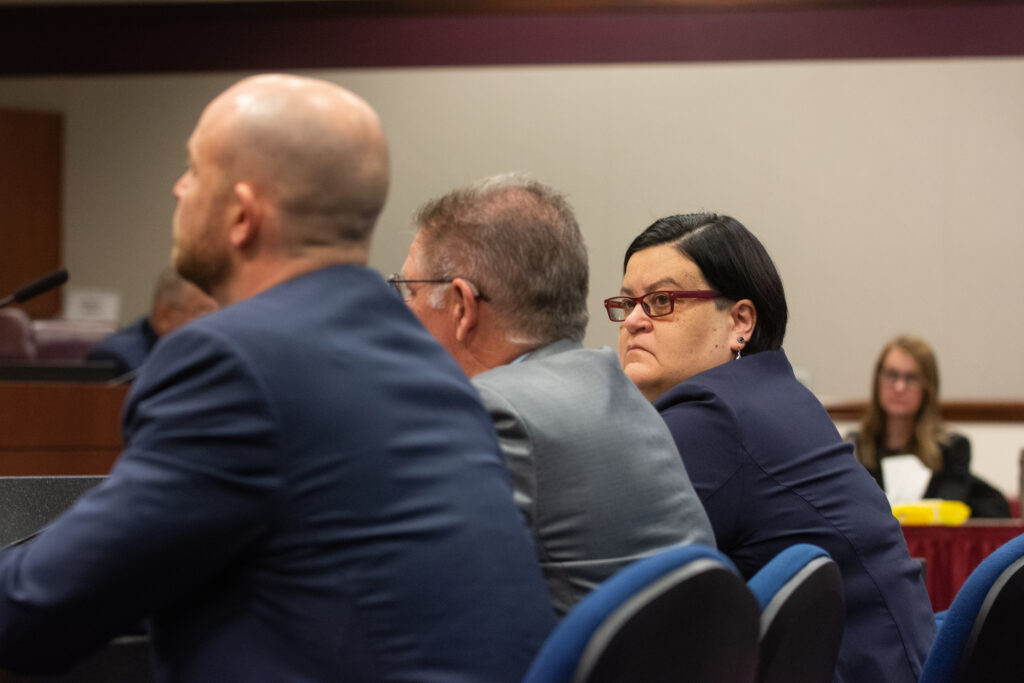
column 43, row 284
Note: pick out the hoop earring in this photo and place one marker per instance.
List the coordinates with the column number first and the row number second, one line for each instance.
column 740, row 349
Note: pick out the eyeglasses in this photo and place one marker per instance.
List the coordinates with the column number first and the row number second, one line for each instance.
column 655, row 304
column 401, row 286
column 893, row 377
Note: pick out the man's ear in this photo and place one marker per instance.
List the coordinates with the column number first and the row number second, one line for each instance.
column 246, row 216
column 465, row 308
column 744, row 320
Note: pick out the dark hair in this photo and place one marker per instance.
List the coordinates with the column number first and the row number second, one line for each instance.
column 733, row 262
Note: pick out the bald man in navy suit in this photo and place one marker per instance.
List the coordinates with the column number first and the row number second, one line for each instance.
column 310, row 488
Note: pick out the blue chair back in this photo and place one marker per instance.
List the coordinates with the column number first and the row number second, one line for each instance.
column 800, row 593
column 684, row 613
column 979, row 637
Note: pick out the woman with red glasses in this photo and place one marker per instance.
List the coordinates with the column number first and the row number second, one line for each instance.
column 702, row 315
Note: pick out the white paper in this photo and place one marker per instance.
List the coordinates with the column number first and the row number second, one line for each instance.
column 905, row 477
column 92, row 304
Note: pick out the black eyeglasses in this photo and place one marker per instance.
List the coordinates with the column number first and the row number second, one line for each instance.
column 655, row 304
column 401, row 286
column 911, row 380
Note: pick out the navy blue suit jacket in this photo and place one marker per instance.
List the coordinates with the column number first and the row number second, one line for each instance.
column 772, row 471
column 310, row 491
column 128, row 347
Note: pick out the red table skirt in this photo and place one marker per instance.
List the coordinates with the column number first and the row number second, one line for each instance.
column 952, row 552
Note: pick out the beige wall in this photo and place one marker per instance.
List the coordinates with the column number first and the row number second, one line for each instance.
column 889, row 192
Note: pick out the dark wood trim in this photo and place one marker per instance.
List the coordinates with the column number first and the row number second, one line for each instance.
column 60, row 415
column 31, row 178
column 93, row 39
column 479, row 7
column 952, row 411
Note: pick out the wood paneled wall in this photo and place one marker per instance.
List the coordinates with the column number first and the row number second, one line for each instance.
column 57, row 428
column 31, row 150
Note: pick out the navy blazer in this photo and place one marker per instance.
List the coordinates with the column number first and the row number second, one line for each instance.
column 310, row 491
column 128, row 347
column 771, row 469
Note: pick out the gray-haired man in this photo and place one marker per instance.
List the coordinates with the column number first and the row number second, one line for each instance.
column 498, row 273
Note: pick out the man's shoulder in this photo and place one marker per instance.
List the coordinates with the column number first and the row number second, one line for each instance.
column 325, row 296
column 137, row 332
column 340, row 321
column 584, row 382
column 563, row 365
column 131, row 343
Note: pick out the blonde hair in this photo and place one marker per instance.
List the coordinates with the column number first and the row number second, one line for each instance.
column 929, row 432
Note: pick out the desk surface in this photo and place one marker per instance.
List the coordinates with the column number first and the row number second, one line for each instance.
column 951, row 553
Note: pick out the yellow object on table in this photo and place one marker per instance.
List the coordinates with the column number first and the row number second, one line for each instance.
column 931, row 512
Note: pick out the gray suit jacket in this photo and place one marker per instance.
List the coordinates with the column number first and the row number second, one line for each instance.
column 595, row 470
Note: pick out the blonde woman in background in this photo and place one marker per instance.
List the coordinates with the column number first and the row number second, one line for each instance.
column 903, row 418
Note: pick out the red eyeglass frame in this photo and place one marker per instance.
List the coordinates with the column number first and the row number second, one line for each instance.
column 616, row 302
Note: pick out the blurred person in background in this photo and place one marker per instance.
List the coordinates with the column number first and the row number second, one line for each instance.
column 903, row 418
column 176, row 301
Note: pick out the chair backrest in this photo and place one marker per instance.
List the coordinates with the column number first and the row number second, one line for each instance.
column 800, row 592
column 684, row 613
column 979, row 635
column 27, row 504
